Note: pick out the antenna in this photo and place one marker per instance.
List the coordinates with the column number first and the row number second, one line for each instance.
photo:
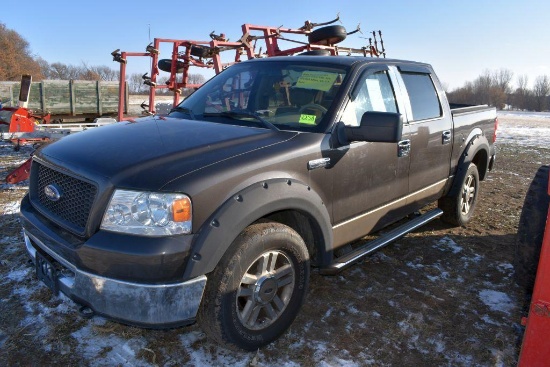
column 149, row 25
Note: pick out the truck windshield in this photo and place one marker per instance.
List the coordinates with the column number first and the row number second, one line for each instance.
column 282, row 95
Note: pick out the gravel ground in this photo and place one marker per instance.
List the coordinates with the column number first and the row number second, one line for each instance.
column 440, row 296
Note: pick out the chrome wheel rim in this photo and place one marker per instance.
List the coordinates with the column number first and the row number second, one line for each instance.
column 468, row 195
column 265, row 290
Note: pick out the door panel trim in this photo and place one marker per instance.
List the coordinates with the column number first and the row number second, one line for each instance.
column 361, row 225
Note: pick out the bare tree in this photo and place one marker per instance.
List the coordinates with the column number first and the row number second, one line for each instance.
column 196, row 79
column 100, row 72
column 135, row 84
column 503, row 79
column 520, row 95
column 60, row 71
column 16, row 58
column 541, row 90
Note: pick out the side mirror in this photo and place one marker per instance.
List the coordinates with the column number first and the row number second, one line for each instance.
column 376, row 127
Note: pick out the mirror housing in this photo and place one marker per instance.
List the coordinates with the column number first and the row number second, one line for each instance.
column 376, row 127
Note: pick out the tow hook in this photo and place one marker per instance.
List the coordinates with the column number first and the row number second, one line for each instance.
column 86, row 312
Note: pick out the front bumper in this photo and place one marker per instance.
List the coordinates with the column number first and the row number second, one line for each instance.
column 146, row 305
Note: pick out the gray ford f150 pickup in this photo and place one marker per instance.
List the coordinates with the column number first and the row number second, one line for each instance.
column 218, row 210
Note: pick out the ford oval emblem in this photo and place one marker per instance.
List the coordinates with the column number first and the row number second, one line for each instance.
column 52, row 192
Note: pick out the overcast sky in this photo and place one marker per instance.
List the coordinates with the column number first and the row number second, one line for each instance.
column 460, row 39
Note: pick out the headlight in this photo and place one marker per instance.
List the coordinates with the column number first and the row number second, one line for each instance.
column 148, row 213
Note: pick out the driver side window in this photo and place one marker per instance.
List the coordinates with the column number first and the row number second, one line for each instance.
column 375, row 94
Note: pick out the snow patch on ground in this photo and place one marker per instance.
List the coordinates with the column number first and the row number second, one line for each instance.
column 497, row 301
column 11, row 208
column 530, row 129
column 447, row 244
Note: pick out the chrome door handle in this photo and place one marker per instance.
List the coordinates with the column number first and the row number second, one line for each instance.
column 403, row 148
column 446, row 137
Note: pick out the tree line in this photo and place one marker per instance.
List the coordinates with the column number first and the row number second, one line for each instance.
column 495, row 88
column 17, row 59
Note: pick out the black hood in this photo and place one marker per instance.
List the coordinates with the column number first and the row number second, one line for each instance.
column 155, row 149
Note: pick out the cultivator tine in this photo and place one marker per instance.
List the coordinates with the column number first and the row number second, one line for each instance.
column 147, row 80
column 145, row 111
column 117, row 56
column 383, row 51
column 218, row 37
column 308, row 26
column 375, row 41
column 358, row 29
column 151, row 49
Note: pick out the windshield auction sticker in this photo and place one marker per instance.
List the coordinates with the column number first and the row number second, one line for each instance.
column 319, row 80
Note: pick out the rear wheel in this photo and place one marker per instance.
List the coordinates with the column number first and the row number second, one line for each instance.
column 531, row 230
column 200, row 51
column 315, row 53
column 458, row 209
column 257, row 289
column 328, row 36
column 166, row 65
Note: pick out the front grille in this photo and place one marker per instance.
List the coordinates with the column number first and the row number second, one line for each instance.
column 76, row 197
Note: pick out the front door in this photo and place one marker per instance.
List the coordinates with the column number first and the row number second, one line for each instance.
column 367, row 176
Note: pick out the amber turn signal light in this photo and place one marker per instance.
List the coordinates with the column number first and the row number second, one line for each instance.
column 181, row 209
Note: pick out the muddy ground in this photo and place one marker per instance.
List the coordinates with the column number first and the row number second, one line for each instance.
column 440, row 296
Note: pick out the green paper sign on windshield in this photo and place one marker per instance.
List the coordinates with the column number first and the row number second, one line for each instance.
column 319, row 80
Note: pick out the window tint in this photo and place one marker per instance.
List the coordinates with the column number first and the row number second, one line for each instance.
column 422, row 94
column 375, row 94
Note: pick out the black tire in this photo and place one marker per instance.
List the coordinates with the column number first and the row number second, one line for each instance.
column 166, row 65
column 531, row 230
column 458, row 209
column 328, row 36
column 244, row 307
column 200, row 51
column 316, row 53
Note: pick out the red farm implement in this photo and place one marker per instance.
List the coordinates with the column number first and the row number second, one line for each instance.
column 208, row 54
column 256, row 42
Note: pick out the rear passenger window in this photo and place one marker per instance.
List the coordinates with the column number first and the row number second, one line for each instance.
column 423, row 96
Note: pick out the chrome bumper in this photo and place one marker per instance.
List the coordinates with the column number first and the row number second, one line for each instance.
column 147, row 305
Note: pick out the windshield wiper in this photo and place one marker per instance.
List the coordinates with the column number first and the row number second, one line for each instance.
column 239, row 113
column 184, row 110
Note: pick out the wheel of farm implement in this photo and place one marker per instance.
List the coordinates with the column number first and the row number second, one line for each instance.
column 200, row 51
column 166, row 65
column 458, row 209
column 531, row 230
column 327, row 36
column 257, row 289
column 315, row 53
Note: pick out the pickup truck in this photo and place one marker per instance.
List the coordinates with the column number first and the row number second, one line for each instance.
column 217, row 211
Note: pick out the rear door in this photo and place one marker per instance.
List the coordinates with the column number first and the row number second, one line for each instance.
column 430, row 127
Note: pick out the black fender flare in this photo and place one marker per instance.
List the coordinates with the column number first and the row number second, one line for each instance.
column 476, row 142
column 247, row 206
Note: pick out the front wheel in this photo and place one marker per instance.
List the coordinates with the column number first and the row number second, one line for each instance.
column 257, row 289
column 458, row 209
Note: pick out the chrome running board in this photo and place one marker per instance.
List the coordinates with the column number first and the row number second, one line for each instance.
column 348, row 259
